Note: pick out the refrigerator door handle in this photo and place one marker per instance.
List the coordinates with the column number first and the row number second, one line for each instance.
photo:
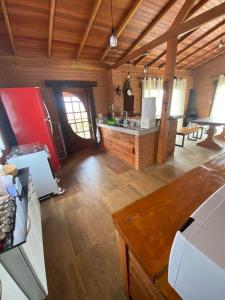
column 48, row 119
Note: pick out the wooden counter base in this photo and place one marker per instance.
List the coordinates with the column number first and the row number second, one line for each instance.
column 139, row 151
column 147, row 227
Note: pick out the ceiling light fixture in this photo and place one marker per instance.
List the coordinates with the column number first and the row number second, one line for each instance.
column 221, row 43
column 113, row 38
column 145, row 70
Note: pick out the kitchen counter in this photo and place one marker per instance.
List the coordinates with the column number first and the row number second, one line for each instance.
column 18, row 235
column 147, row 227
column 136, row 146
column 129, row 129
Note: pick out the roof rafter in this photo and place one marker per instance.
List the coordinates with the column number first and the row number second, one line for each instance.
column 124, row 23
column 89, row 26
column 50, row 27
column 8, row 25
column 199, row 57
column 201, row 48
column 210, row 58
column 191, row 12
column 191, row 24
column 198, row 39
column 162, row 12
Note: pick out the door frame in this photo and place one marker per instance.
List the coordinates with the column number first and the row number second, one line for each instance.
column 57, row 87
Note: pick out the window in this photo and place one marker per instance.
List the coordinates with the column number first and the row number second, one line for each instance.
column 218, row 108
column 77, row 116
column 153, row 87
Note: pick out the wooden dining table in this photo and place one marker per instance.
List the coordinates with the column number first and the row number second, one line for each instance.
column 210, row 142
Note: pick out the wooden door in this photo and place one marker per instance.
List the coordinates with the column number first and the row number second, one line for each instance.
column 75, row 115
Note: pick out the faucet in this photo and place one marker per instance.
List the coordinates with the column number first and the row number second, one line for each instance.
column 126, row 115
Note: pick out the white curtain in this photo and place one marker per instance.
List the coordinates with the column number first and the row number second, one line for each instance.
column 218, row 108
column 153, row 87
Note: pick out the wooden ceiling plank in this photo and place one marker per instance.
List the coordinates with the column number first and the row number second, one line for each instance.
column 183, row 13
column 201, row 48
column 199, row 57
column 181, row 39
column 50, row 27
column 124, row 23
column 189, row 25
column 210, row 58
column 89, row 26
column 8, row 25
column 198, row 39
column 162, row 12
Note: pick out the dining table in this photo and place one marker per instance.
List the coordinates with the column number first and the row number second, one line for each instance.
column 210, row 141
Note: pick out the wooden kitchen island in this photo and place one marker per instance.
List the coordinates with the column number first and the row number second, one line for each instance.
column 136, row 146
column 147, row 227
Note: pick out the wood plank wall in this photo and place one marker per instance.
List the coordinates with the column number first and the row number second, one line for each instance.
column 22, row 72
column 119, row 75
column 203, row 78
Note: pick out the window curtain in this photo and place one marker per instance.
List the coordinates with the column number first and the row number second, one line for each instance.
column 218, row 107
column 153, row 87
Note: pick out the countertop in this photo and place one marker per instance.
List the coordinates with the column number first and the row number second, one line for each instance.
column 149, row 225
column 18, row 235
column 129, row 130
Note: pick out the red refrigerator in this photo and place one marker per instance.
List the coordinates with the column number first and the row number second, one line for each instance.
column 29, row 118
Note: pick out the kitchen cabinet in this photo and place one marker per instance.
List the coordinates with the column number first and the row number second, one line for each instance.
column 25, row 263
column 8, row 288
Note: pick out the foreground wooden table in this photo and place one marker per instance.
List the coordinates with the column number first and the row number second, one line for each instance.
column 147, row 227
column 210, row 142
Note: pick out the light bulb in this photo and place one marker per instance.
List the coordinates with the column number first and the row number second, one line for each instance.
column 145, row 70
column 113, row 40
column 128, row 76
column 221, row 44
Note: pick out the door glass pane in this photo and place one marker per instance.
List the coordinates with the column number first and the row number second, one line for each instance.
column 69, row 108
column 77, row 115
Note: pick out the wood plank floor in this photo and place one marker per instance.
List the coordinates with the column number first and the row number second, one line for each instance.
column 79, row 237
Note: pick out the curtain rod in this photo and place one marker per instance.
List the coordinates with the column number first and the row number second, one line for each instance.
column 157, row 77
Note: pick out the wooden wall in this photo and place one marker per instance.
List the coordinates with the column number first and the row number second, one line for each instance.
column 203, row 78
column 22, row 72
column 118, row 77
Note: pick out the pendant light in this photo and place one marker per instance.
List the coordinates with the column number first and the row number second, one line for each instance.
column 145, row 70
column 113, row 38
column 128, row 88
column 221, row 43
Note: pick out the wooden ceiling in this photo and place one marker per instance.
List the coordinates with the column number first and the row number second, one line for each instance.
column 81, row 29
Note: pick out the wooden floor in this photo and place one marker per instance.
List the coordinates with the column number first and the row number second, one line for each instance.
column 79, row 237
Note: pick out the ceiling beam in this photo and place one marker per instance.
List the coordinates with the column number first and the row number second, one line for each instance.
column 50, row 27
column 183, row 13
column 181, row 39
column 124, row 23
column 201, row 48
column 191, row 24
column 89, row 26
column 8, row 25
column 162, row 12
column 199, row 39
column 199, row 57
column 210, row 58
column 191, row 12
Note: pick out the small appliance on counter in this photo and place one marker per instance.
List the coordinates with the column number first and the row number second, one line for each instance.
column 148, row 113
column 36, row 157
column 197, row 258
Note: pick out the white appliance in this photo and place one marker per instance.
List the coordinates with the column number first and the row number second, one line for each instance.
column 148, row 113
column 36, row 157
column 197, row 258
